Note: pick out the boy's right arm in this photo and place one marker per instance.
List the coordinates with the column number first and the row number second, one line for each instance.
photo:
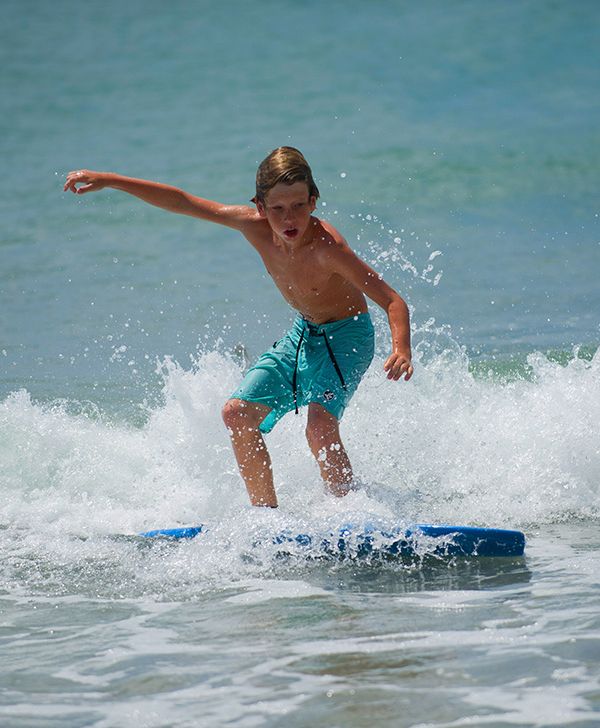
column 167, row 197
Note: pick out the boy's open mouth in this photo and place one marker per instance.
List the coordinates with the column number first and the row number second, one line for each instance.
column 290, row 232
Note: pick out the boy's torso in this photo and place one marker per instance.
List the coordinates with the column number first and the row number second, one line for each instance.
column 305, row 279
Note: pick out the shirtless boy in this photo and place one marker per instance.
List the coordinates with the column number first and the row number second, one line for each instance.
column 322, row 359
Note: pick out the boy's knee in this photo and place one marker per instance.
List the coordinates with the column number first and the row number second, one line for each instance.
column 238, row 414
column 321, row 431
column 233, row 413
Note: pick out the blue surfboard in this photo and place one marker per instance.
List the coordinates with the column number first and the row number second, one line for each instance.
column 368, row 541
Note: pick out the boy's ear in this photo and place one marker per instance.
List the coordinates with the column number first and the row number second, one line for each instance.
column 312, row 203
column 260, row 208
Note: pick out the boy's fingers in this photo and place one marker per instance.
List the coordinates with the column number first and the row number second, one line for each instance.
column 85, row 182
column 75, row 177
column 396, row 368
column 71, row 181
column 394, row 371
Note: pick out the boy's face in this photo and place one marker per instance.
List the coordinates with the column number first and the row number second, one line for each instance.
column 288, row 209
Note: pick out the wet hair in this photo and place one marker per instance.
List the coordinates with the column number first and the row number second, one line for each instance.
column 286, row 165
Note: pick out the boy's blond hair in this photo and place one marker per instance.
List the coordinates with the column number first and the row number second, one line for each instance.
column 286, row 165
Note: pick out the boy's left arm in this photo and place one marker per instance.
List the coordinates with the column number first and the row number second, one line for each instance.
column 346, row 263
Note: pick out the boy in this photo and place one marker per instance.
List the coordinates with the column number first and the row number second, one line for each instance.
column 322, row 359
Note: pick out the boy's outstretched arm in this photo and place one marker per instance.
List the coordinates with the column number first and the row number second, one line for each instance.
column 346, row 263
column 167, row 197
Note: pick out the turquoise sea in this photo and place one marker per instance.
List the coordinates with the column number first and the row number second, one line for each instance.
column 457, row 147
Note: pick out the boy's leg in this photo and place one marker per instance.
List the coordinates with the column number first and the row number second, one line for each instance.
column 323, row 435
column 242, row 420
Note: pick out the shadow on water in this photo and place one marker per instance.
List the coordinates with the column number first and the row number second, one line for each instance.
column 415, row 575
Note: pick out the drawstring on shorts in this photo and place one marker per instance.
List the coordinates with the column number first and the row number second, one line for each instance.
column 331, row 356
column 295, row 375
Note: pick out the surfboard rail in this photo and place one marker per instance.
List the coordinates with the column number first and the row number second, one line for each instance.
column 367, row 540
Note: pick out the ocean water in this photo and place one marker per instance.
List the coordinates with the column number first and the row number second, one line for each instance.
column 456, row 146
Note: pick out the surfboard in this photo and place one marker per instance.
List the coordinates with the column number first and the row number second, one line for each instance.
column 359, row 541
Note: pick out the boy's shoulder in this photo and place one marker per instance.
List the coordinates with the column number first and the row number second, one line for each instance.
column 254, row 227
column 331, row 242
column 329, row 234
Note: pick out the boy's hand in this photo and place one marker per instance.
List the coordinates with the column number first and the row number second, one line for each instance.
column 90, row 181
column 397, row 365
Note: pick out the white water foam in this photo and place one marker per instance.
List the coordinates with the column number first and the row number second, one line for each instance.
column 445, row 447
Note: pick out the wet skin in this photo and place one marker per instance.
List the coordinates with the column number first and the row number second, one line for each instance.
column 318, row 275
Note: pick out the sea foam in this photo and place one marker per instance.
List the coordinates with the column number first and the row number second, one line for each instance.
column 448, row 446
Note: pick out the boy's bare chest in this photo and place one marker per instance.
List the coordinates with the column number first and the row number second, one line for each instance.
column 298, row 276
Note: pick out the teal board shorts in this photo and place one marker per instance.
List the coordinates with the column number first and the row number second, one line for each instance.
column 320, row 363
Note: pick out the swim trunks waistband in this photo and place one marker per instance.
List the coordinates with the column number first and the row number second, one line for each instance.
column 314, row 329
